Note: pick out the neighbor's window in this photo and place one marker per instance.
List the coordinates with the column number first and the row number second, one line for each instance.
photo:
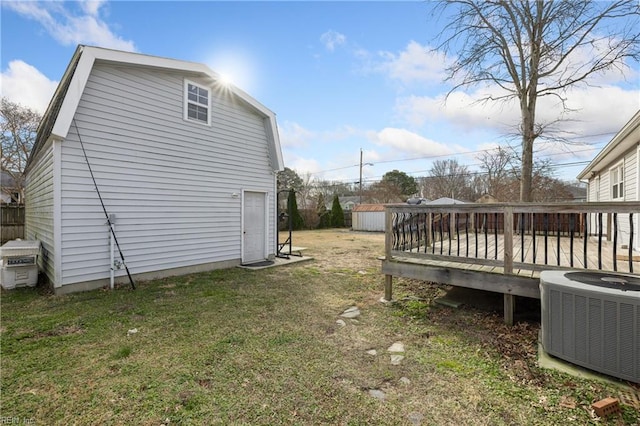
column 617, row 182
column 197, row 103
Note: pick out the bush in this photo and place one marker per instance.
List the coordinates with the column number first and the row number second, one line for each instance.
column 337, row 215
column 298, row 222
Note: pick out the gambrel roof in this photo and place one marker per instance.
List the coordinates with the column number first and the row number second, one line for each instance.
column 57, row 119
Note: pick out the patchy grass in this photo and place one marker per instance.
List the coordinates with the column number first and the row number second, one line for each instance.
column 263, row 347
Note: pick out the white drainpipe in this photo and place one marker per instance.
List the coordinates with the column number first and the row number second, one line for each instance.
column 112, row 259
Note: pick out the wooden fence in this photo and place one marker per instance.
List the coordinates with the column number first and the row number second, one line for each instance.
column 11, row 222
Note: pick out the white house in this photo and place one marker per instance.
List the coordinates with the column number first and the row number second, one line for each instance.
column 614, row 174
column 186, row 167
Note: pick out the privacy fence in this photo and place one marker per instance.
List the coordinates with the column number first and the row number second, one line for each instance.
column 12, row 222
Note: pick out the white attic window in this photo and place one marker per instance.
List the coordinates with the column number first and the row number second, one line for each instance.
column 197, row 103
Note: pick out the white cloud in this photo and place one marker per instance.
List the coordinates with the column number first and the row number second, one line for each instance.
column 92, row 7
column 415, row 64
column 596, row 110
column 403, row 141
column 302, row 165
column 71, row 27
column 24, row 84
column 294, row 135
column 331, row 39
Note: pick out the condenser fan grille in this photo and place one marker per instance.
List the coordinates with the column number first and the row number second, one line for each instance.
column 607, row 280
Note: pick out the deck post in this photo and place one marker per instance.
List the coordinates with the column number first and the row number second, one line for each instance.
column 508, row 240
column 388, row 286
column 388, row 242
column 509, row 308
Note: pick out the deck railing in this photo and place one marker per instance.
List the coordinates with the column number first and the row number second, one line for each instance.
column 513, row 237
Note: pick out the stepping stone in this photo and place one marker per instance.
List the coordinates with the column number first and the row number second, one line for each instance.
column 396, row 347
column 377, row 393
column 415, row 418
column 352, row 312
column 396, row 359
column 372, row 352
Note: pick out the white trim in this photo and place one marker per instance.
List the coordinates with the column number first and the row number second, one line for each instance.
column 266, row 222
column 57, row 212
column 74, row 93
column 186, row 101
column 619, row 166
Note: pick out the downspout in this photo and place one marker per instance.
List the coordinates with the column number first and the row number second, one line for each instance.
column 112, row 230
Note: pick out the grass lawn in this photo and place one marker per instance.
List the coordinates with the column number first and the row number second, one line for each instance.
column 263, row 347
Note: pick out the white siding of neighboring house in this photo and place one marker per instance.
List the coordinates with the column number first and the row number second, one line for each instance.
column 630, row 194
column 168, row 181
column 601, row 191
column 39, row 209
column 368, row 221
column 593, row 189
column 631, row 176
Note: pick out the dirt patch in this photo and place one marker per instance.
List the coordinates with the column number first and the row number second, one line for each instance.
column 342, row 249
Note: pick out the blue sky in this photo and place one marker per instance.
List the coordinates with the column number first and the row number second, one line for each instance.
column 341, row 76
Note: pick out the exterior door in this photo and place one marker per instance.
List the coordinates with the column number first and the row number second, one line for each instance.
column 254, row 228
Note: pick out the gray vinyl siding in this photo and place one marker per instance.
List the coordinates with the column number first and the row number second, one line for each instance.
column 593, row 190
column 630, row 194
column 168, row 181
column 605, row 194
column 631, row 175
column 39, row 207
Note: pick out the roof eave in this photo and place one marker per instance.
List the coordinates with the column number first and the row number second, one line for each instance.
column 617, row 146
column 86, row 56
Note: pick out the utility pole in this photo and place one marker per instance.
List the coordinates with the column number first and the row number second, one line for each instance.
column 360, row 176
column 362, row 164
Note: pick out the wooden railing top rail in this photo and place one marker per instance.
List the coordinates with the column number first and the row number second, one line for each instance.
column 585, row 207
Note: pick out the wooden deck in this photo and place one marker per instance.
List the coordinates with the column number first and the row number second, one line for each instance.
column 571, row 255
column 435, row 244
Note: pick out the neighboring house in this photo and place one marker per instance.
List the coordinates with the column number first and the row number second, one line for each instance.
column 10, row 193
column 185, row 164
column 347, row 202
column 578, row 191
column 614, row 174
column 368, row 217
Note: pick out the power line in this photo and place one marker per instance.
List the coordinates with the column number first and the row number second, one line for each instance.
column 428, row 157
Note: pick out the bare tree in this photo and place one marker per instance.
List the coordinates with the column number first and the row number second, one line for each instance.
column 535, row 48
column 19, row 125
column 448, row 178
column 383, row 192
column 305, row 191
column 499, row 170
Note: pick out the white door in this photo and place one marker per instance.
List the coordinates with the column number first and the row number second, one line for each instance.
column 254, row 227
